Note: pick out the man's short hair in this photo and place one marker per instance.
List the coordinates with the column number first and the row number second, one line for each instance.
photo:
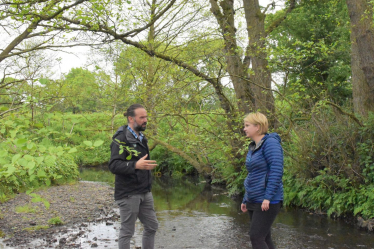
column 257, row 118
column 131, row 110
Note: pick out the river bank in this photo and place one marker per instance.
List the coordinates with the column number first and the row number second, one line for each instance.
column 24, row 222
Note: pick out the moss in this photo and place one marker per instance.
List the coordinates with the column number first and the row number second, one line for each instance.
column 55, row 221
column 36, row 228
column 26, row 209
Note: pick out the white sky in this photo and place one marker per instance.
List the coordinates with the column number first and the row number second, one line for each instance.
column 77, row 56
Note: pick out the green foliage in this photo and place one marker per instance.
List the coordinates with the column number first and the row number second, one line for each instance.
column 37, row 198
column 47, row 151
column 329, row 166
column 27, row 209
column 36, row 228
column 312, row 49
column 56, row 221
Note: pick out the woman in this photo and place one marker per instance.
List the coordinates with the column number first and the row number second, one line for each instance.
column 263, row 185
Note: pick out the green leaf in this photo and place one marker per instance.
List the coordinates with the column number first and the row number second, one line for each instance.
column 28, row 157
column 129, row 157
column 16, row 157
column 40, row 159
column 41, row 173
column 73, row 150
column 23, row 162
column 98, row 143
column 30, row 146
column 13, row 133
column 46, row 204
column 42, row 148
column 20, row 141
column 32, row 177
column 30, row 165
column 11, row 169
column 31, row 174
column 3, row 153
column 88, row 143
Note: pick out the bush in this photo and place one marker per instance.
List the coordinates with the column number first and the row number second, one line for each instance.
column 329, row 166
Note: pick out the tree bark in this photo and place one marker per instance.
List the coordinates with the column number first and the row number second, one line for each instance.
column 362, row 57
column 252, row 91
column 256, row 51
column 235, row 67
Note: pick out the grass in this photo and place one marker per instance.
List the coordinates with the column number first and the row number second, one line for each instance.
column 26, row 209
column 36, row 228
column 2, row 234
column 55, row 221
column 1, row 215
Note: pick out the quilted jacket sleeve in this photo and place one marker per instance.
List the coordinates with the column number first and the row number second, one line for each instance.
column 273, row 154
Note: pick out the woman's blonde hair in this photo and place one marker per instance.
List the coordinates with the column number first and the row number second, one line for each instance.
column 257, row 118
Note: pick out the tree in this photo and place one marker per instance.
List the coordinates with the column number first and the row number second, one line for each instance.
column 362, row 38
column 311, row 49
column 82, row 90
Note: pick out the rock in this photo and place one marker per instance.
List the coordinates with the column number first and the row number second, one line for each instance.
column 109, row 223
column 62, row 241
column 94, row 245
column 94, row 239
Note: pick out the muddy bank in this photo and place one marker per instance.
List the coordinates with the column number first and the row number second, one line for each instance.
column 76, row 206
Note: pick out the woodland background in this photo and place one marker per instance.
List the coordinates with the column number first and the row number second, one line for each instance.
column 198, row 67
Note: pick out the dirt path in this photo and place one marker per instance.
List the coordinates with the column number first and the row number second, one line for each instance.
column 75, row 205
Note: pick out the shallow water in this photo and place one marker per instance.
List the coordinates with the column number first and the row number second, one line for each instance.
column 195, row 215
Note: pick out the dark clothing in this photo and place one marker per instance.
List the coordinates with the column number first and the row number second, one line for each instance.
column 128, row 180
column 133, row 207
column 261, row 221
column 264, row 163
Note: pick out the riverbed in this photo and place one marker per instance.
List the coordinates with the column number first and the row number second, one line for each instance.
column 193, row 214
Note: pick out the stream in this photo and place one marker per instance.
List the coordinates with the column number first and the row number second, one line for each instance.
column 193, row 214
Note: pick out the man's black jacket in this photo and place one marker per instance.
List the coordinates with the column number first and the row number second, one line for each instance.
column 129, row 181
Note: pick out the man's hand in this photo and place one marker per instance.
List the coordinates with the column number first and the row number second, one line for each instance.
column 243, row 207
column 145, row 164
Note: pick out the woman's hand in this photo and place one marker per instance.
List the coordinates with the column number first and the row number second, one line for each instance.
column 243, row 207
column 265, row 205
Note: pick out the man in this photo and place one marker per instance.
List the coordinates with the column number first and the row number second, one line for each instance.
column 130, row 163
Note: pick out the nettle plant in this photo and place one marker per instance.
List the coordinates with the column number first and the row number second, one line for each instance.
column 30, row 159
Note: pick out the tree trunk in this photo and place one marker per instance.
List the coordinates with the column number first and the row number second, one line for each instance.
column 261, row 79
column 362, row 58
column 235, row 66
column 253, row 93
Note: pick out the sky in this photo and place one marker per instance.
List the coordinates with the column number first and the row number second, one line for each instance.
column 77, row 56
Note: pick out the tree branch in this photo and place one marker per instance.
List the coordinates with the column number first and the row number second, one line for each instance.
column 277, row 22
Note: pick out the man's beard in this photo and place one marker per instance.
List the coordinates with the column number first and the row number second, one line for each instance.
column 138, row 127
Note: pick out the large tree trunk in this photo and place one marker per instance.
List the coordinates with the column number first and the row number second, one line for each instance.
column 236, row 68
column 362, row 38
column 261, row 86
column 253, row 92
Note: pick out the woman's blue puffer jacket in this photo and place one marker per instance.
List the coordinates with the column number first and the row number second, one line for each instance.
column 264, row 163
